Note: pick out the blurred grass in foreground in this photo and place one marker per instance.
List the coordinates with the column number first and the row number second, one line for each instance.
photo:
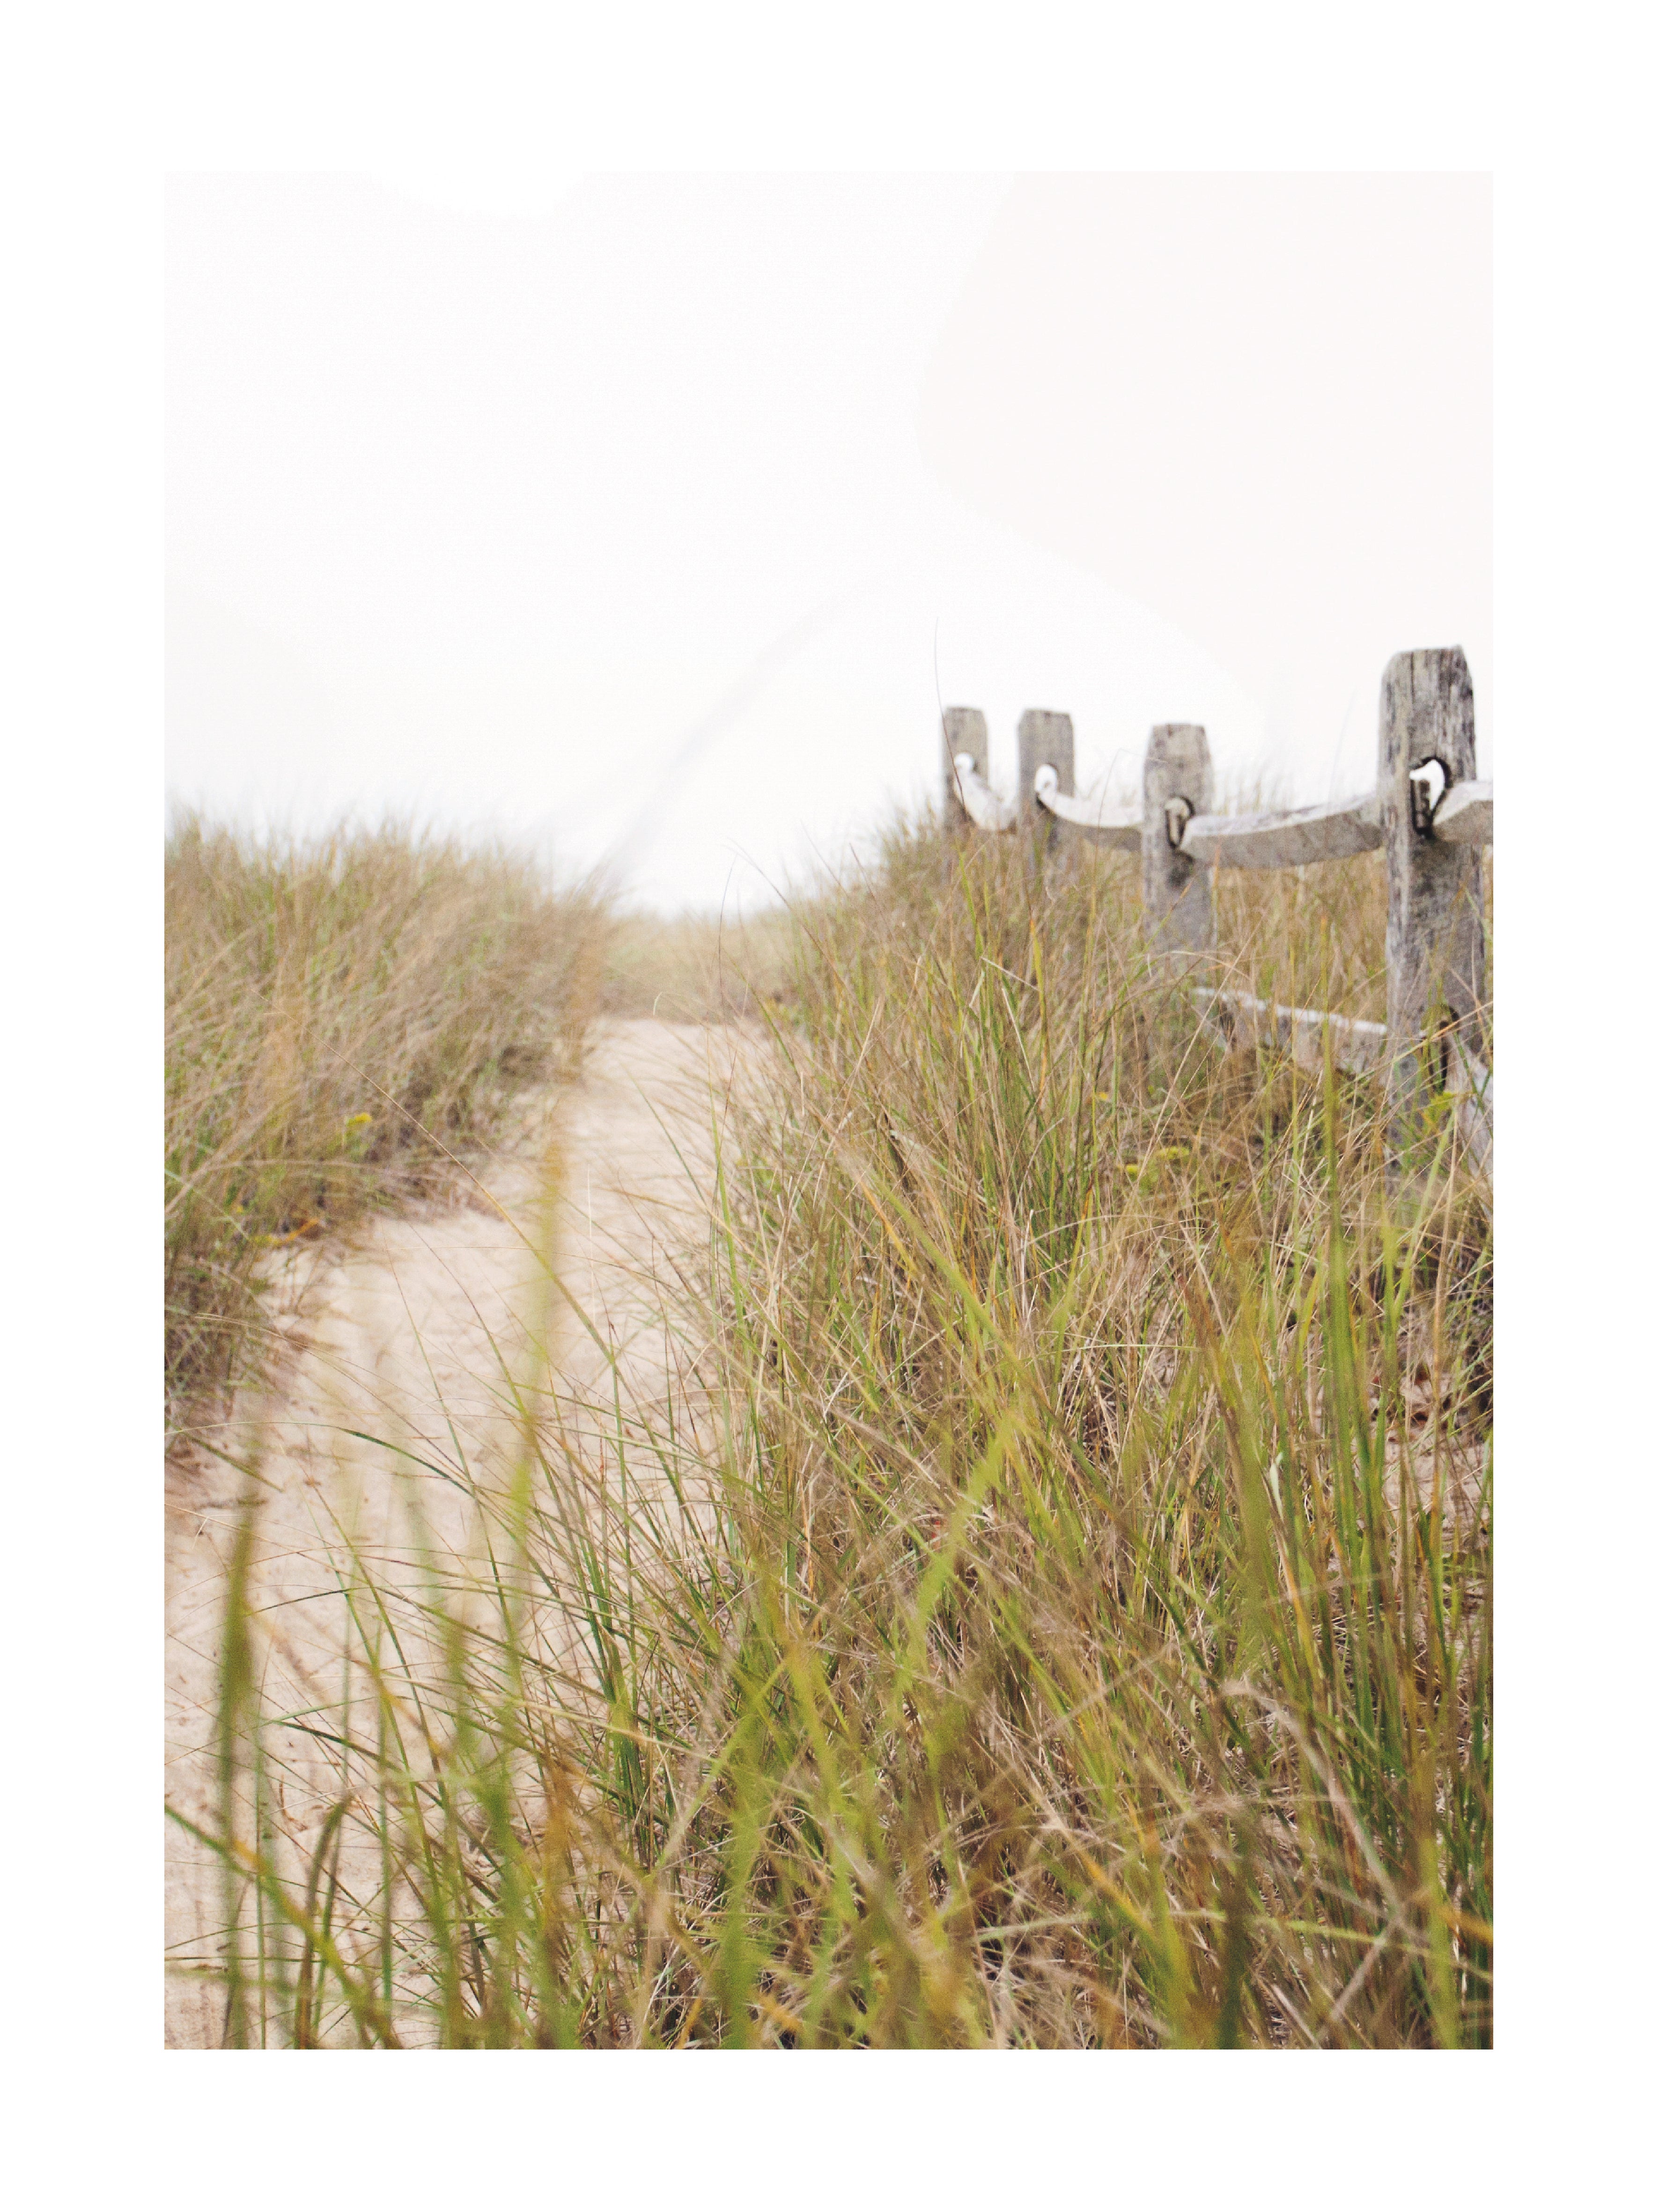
column 1082, row 1633
column 339, row 1012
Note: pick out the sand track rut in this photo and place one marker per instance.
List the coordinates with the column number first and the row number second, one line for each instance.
column 419, row 1355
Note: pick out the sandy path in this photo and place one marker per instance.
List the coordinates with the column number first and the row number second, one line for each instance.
column 440, row 1333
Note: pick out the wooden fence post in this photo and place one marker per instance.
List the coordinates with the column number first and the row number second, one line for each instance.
column 1175, row 889
column 1044, row 736
column 1436, row 940
column 963, row 731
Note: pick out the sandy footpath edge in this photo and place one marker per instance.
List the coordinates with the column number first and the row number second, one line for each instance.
column 411, row 1333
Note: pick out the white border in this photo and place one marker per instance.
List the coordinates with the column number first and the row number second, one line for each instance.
column 98, row 104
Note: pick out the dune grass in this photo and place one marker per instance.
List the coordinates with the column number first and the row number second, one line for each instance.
column 697, row 968
column 1081, row 1632
column 340, row 1012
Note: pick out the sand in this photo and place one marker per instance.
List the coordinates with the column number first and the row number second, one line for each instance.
column 530, row 1299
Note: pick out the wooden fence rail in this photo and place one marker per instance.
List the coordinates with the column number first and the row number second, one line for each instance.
column 1427, row 813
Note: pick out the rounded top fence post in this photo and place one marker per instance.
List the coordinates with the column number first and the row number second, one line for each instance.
column 1045, row 739
column 962, row 731
column 1177, row 782
column 1436, row 935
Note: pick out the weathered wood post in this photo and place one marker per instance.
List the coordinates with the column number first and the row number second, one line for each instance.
column 1437, row 939
column 1176, row 783
column 1044, row 738
column 963, row 731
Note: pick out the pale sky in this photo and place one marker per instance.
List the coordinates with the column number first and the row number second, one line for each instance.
column 633, row 519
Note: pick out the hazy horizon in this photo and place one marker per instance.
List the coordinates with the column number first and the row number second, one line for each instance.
column 676, row 497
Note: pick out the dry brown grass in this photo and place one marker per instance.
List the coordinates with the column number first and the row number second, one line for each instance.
column 341, row 1012
column 1066, row 1662
column 697, row 968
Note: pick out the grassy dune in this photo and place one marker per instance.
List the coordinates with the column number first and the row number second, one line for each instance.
column 697, row 968
column 1082, row 1633
column 339, row 1012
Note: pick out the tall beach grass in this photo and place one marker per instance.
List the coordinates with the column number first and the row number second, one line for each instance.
column 1080, row 1630
column 341, row 1011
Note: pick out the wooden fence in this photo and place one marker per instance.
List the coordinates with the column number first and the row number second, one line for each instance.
column 1427, row 812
